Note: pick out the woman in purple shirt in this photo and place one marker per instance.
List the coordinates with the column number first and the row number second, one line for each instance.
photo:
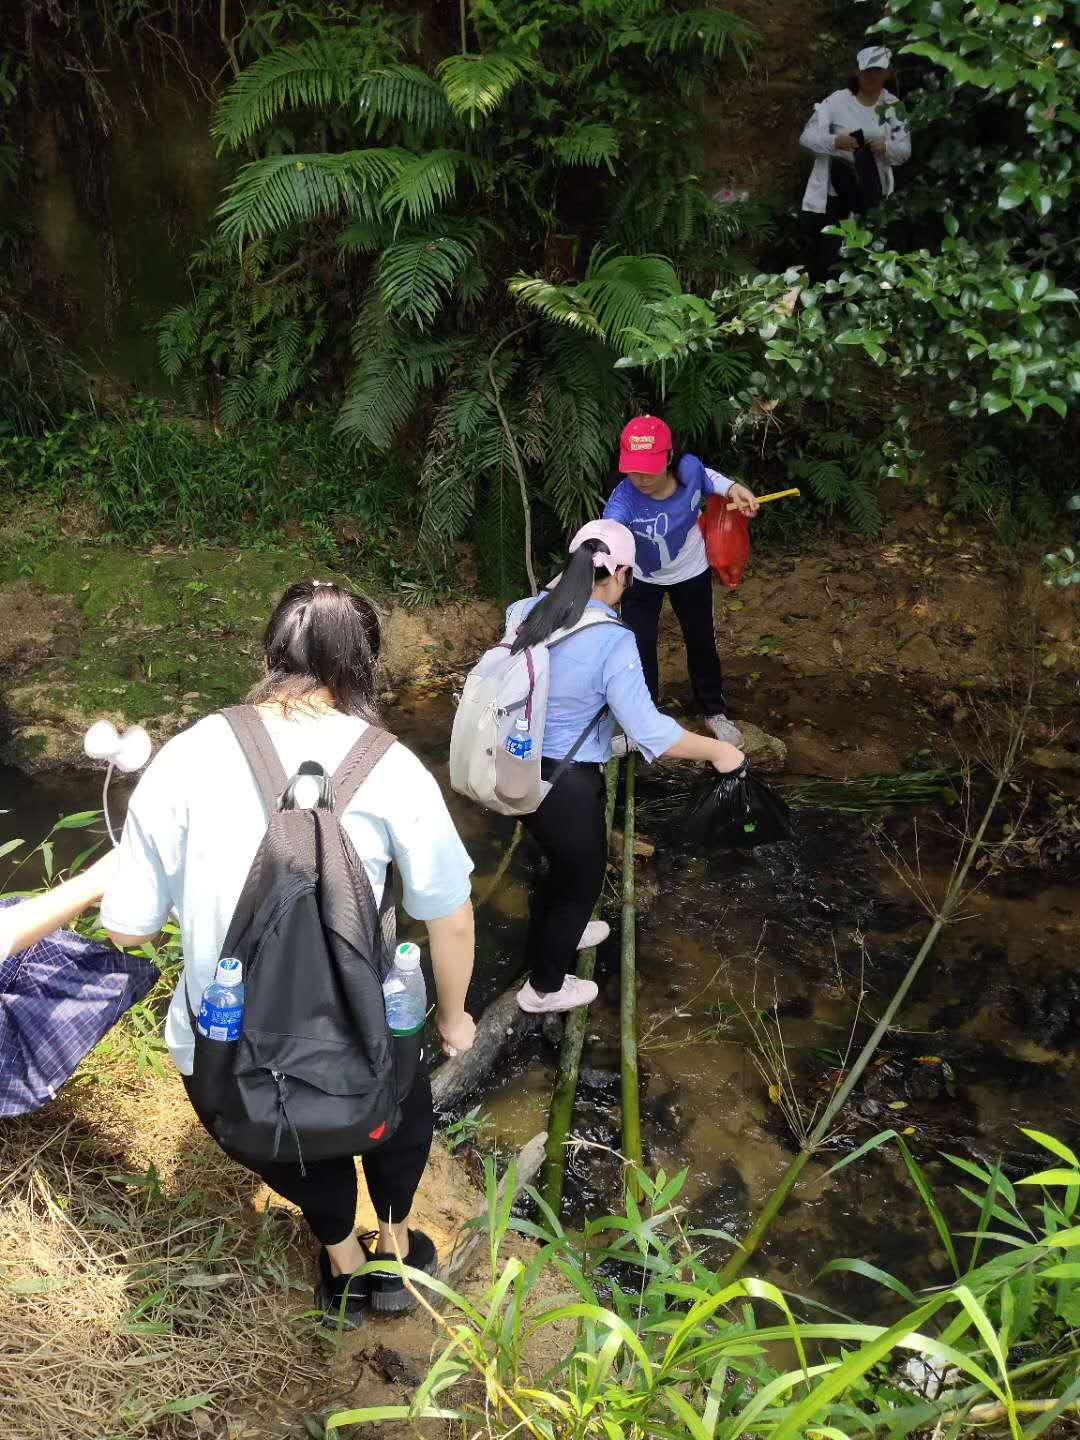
column 662, row 508
column 596, row 680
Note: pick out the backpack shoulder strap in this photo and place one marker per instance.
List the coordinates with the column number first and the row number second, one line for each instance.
column 254, row 740
column 359, row 763
column 587, row 621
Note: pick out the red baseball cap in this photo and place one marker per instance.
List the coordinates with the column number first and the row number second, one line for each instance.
column 645, row 446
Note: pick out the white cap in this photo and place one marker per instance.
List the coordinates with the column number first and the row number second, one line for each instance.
column 407, row 956
column 229, row 972
column 874, row 57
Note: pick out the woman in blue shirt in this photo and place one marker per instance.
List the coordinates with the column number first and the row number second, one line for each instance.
column 662, row 508
column 597, row 667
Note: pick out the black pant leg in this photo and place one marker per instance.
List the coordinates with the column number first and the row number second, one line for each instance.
column 326, row 1195
column 569, row 829
column 692, row 601
column 393, row 1169
column 641, row 606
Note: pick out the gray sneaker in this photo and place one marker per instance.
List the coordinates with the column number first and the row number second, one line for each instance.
column 725, row 729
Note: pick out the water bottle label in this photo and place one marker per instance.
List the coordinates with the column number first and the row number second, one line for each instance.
column 520, row 748
column 221, row 1022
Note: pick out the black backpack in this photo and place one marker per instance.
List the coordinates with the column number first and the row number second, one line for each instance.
column 312, row 1075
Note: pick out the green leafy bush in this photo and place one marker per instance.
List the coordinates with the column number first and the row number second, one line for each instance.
column 414, row 190
column 652, row 1344
column 155, row 478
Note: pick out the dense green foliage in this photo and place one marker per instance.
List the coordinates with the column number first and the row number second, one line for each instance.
column 656, row 1345
column 484, row 235
column 563, row 136
column 147, row 476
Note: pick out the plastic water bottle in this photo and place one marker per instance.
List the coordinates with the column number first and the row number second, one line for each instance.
column 221, row 1015
column 405, row 997
column 405, row 993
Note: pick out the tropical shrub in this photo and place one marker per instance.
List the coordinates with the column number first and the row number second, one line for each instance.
column 399, row 193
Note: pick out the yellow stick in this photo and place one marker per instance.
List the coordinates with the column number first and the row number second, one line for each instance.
column 764, row 499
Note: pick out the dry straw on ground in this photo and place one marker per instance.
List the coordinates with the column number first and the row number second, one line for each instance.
column 123, row 1306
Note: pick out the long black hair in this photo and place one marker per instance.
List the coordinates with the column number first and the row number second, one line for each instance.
column 321, row 636
column 564, row 604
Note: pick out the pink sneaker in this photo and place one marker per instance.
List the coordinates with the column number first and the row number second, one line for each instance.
column 595, row 933
column 574, row 993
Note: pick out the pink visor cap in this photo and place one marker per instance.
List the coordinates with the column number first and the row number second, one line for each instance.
column 621, row 548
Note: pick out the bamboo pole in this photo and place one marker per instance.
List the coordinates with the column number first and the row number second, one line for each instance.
column 561, row 1115
column 953, row 896
column 631, row 1107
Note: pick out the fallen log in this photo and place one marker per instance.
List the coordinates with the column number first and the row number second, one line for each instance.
column 498, row 1030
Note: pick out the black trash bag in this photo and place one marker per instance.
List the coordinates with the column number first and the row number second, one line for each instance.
column 739, row 812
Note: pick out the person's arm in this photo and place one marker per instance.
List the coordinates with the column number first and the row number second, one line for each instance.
column 652, row 732
column 718, row 753
column 619, row 506
column 740, row 495
column 31, row 920
column 435, row 872
column 453, row 942
column 816, row 137
column 139, row 895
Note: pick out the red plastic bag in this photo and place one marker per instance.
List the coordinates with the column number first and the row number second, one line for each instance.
column 727, row 540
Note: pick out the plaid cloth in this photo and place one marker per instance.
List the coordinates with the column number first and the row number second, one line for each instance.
column 57, row 1000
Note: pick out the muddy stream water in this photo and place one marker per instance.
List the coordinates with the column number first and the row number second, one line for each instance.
column 812, row 938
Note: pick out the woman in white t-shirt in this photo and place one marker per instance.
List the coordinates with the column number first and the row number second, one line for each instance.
column 864, row 108
column 193, row 826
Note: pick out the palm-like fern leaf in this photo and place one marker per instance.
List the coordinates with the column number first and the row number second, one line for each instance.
column 704, row 32
column 402, row 94
column 415, row 276
column 587, row 145
column 381, row 399
column 563, row 303
column 314, row 74
column 284, row 190
column 619, row 290
column 475, row 85
column 425, row 182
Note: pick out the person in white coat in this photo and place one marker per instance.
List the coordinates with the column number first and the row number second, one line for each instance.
column 862, row 115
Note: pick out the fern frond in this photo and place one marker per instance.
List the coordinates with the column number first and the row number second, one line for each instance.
column 178, row 337
column 311, row 75
column 705, row 33
column 424, row 182
column 702, row 396
column 564, row 304
column 366, row 237
column 619, row 289
column 861, row 504
column 402, row 94
column 381, row 400
column 587, row 145
column 475, row 85
column 240, row 398
column 282, row 190
column 415, row 276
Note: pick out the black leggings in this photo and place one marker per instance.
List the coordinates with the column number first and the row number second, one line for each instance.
column 569, row 829
column 327, row 1194
column 692, row 601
